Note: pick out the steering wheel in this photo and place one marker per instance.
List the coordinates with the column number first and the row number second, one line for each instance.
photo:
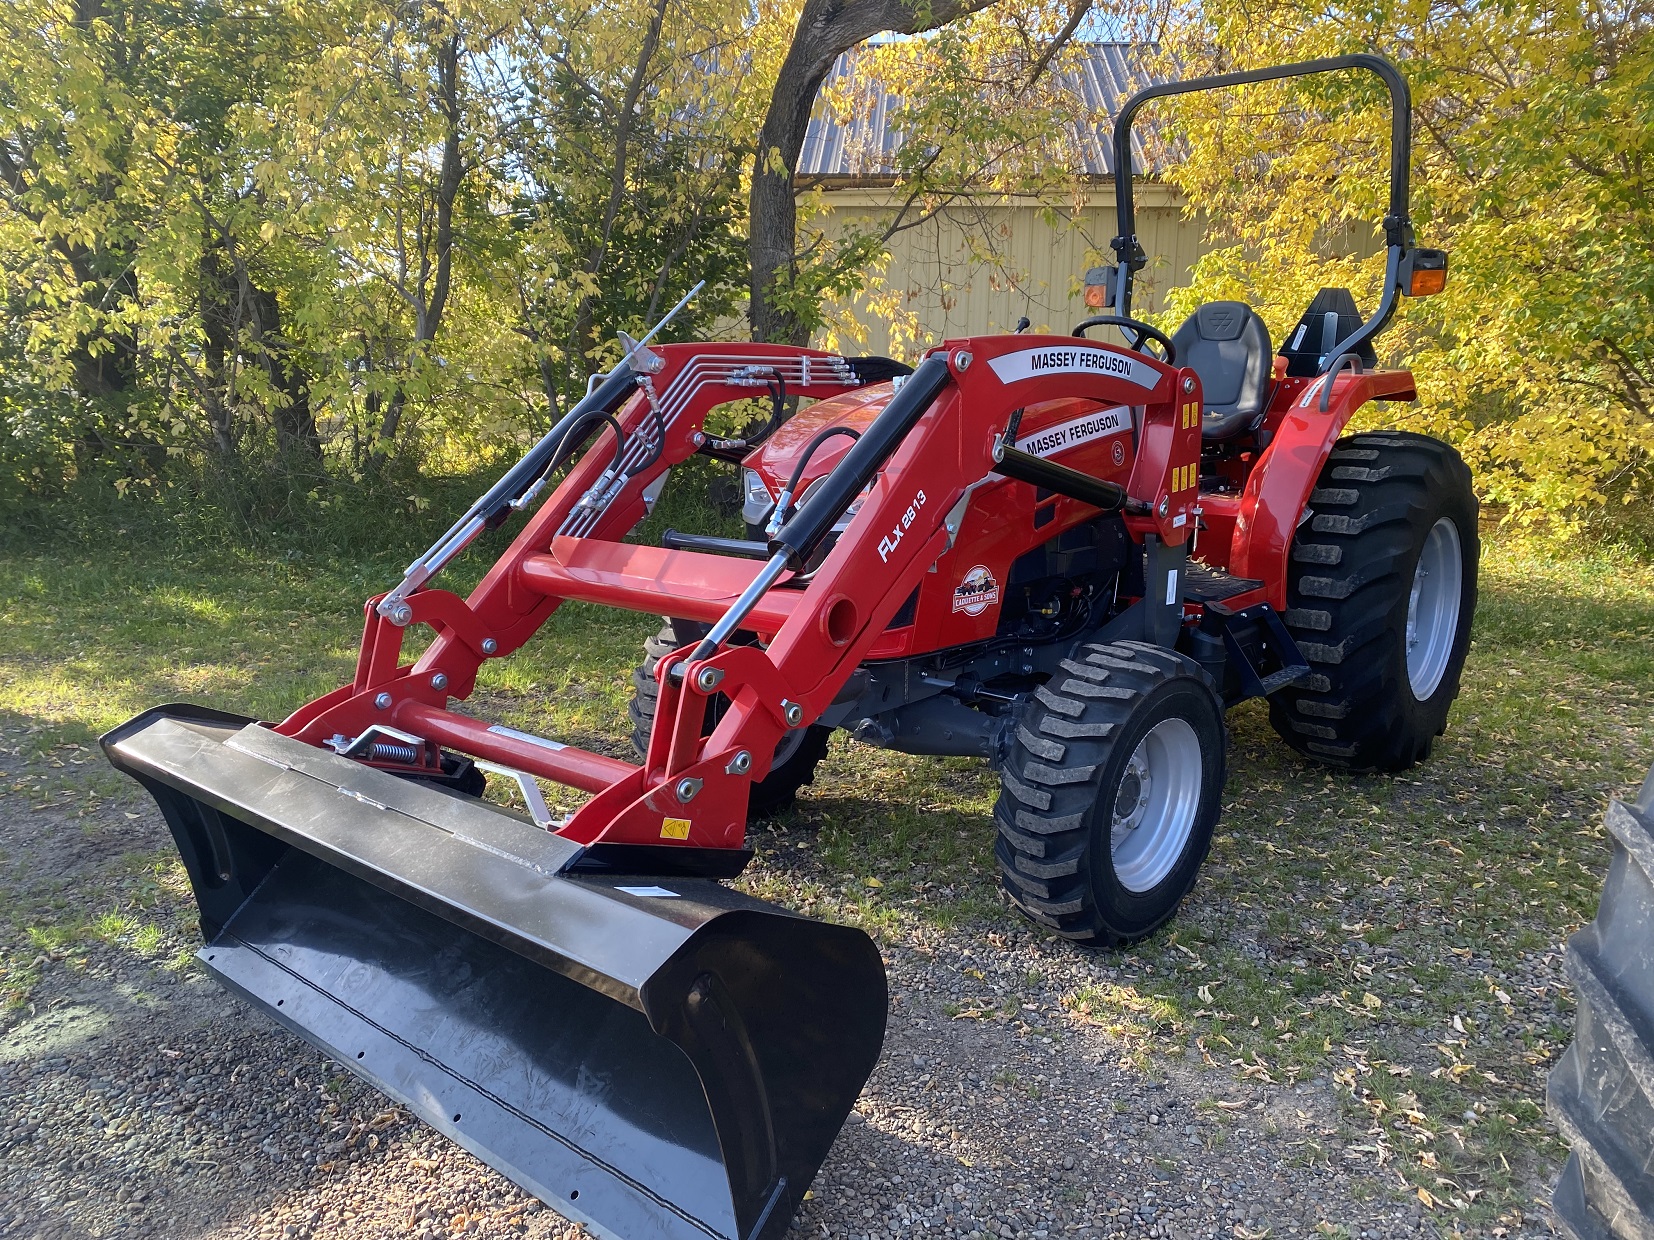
column 1140, row 333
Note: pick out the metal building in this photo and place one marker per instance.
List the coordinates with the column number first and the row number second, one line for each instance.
column 982, row 262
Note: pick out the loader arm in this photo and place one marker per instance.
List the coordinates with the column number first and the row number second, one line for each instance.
column 904, row 526
column 684, row 808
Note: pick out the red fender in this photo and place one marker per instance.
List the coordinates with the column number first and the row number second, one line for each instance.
column 1278, row 489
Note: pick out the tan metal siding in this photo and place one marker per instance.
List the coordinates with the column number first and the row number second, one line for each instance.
column 977, row 269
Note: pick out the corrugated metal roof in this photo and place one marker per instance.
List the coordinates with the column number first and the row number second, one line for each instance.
column 864, row 148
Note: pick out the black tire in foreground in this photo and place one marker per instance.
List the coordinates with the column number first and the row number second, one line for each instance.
column 1381, row 589
column 1601, row 1092
column 796, row 756
column 1110, row 792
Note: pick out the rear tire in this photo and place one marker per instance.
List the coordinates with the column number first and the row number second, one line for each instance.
column 1601, row 1092
column 1381, row 588
column 796, row 756
column 1110, row 792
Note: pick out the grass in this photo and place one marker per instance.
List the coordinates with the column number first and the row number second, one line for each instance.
column 1394, row 939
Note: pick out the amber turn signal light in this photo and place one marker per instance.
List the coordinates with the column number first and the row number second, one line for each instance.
column 1427, row 282
column 1424, row 272
column 1099, row 287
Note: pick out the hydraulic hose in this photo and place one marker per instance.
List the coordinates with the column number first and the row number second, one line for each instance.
column 583, row 426
column 784, row 501
column 778, row 409
column 810, row 450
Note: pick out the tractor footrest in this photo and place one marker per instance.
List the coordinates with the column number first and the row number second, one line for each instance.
column 1204, row 584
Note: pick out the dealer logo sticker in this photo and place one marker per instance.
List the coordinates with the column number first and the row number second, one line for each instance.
column 977, row 592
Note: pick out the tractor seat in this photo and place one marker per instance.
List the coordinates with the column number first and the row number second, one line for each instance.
column 1227, row 345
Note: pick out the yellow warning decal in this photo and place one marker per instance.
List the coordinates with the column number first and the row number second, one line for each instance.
column 675, row 829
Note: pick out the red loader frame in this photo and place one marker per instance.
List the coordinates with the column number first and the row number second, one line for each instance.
column 691, row 791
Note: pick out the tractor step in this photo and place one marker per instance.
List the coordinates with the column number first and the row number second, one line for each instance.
column 1206, row 585
column 1260, row 648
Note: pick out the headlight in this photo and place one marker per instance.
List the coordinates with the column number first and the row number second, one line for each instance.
column 843, row 522
column 756, row 500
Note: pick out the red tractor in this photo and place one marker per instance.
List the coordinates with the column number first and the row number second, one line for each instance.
column 1066, row 557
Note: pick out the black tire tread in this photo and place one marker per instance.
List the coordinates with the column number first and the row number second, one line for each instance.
column 1601, row 1092
column 1349, row 576
column 1046, row 789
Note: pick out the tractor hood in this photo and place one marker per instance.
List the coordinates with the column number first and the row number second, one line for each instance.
column 775, row 461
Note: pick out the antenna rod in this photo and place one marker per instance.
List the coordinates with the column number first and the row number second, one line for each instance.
column 672, row 313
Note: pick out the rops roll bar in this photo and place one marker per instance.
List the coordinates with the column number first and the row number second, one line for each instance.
column 1398, row 225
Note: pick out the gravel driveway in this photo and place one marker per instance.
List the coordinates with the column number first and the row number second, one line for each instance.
column 142, row 1101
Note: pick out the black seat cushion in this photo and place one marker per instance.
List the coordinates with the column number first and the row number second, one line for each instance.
column 1227, row 345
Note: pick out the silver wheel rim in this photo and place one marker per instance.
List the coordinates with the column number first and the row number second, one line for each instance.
column 787, row 748
column 1155, row 805
column 1433, row 608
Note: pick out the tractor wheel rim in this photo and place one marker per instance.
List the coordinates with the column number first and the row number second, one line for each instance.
column 787, row 747
column 1433, row 608
column 1155, row 805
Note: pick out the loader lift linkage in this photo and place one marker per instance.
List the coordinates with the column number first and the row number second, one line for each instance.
column 1062, row 555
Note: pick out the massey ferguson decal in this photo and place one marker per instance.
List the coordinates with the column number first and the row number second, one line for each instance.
column 892, row 540
column 1071, row 434
column 977, row 592
column 1036, row 363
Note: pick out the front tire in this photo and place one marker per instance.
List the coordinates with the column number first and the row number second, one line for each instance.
column 1110, row 792
column 1381, row 589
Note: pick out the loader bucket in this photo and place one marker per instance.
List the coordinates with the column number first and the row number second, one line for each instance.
column 652, row 1058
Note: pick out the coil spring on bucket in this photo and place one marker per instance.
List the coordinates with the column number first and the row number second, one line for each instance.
column 390, row 751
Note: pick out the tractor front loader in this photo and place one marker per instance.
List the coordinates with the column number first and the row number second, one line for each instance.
column 1064, row 556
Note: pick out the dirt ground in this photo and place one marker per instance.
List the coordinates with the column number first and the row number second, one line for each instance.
column 140, row 1100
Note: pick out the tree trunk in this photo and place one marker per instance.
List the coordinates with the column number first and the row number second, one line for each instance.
column 431, row 298
column 826, row 30
column 296, row 432
column 584, row 333
column 218, row 327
